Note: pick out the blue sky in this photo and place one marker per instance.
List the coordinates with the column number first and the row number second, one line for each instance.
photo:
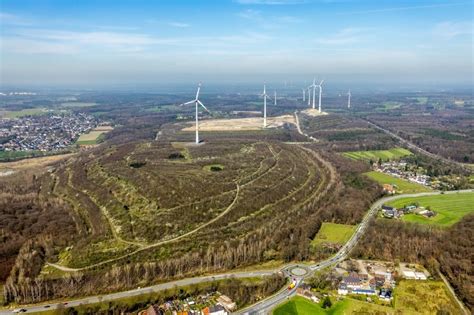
column 137, row 42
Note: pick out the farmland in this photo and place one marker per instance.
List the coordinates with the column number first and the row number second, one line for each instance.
column 93, row 136
column 402, row 186
column 449, row 208
column 22, row 113
column 384, row 155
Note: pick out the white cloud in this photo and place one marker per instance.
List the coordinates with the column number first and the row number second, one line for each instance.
column 65, row 42
column 179, row 24
column 450, row 29
column 11, row 19
column 269, row 22
column 343, row 37
column 407, row 8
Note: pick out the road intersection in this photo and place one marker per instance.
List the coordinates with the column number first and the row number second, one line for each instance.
column 264, row 306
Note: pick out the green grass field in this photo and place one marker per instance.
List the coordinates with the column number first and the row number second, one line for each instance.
column 433, row 294
column 333, row 233
column 449, row 208
column 22, row 113
column 78, row 104
column 301, row 306
column 375, row 155
column 6, row 156
column 402, row 186
column 410, row 297
column 90, row 138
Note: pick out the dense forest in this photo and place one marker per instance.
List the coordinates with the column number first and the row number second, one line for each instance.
column 26, row 218
column 449, row 251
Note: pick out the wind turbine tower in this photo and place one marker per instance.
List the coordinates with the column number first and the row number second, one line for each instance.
column 197, row 102
column 304, row 95
column 265, row 95
column 309, row 96
column 313, row 85
column 275, row 98
column 320, row 93
column 349, row 99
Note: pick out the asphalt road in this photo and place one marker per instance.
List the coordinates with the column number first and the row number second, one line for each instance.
column 263, row 306
column 414, row 147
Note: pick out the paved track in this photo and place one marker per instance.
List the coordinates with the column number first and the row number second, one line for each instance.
column 263, row 306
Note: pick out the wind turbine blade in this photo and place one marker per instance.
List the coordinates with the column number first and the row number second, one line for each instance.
column 321, row 82
column 199, row 102
column 197, row 93
column 187, row 103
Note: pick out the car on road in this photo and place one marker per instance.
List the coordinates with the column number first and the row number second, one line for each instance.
column 20, row 310
column 46, row 306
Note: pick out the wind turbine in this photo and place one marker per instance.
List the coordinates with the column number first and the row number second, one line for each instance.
column 197, row 102
column 320, row 85
column 349, row 99
column 314, row 92
column 265, row 95
column 309, row 96
column 304, row 95
column 275, row 98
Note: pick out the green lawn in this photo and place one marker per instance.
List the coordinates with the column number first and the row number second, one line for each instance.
column 333, row 233
column 450, row 208
column 402, row 186
column 299, row 306
column 6, row 156
column 394, row 153
column 24, row 112
column 433, row 294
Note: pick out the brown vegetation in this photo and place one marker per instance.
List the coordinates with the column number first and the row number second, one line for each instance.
column 450, row 251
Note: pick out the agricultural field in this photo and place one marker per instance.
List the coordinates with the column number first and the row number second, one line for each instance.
column 434, row 294
column 22, row 113
column 78, row 104
column 449, row 208
column 333, row 234
column 93, row 136
column 402, row 186
column 375, row 155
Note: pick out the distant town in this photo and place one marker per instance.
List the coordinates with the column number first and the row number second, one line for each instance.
column 48, row 132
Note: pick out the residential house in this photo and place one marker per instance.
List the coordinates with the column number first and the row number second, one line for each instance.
column 342, row 289
column 154, row 310
column 352, row 281
column 227, row 302
column 217, row 310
